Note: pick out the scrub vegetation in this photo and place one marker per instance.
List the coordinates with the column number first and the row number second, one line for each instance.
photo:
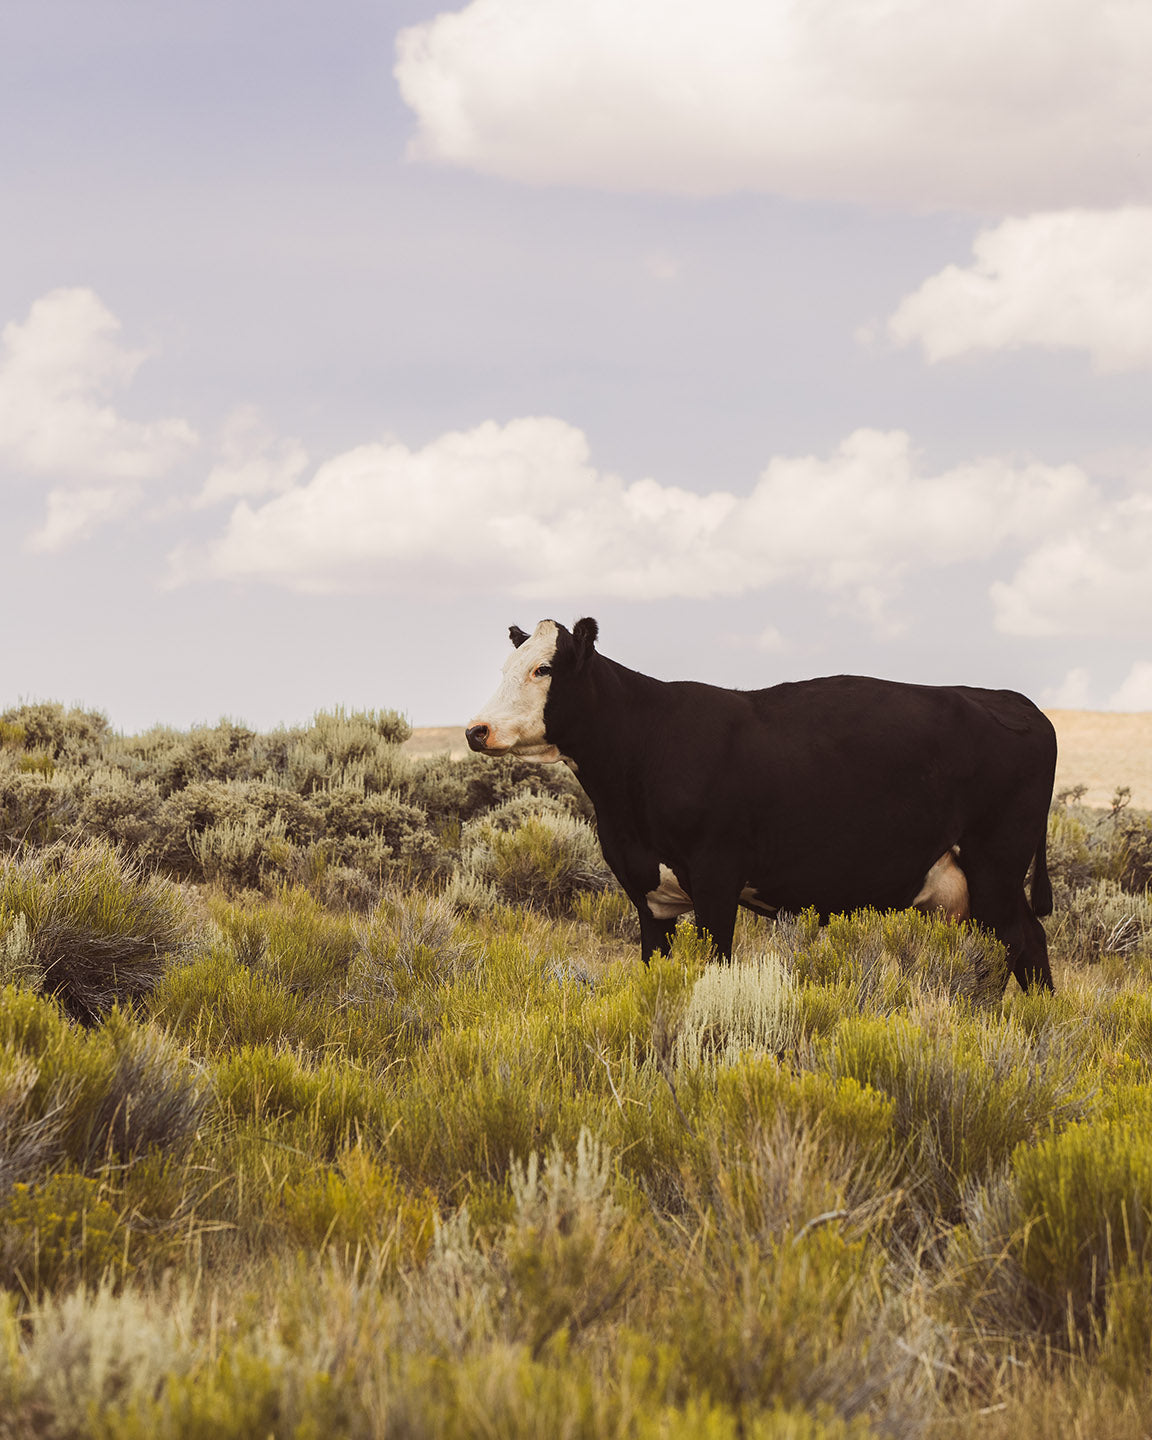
column 334, row 1101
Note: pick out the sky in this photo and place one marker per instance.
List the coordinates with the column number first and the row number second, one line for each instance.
column 786, row 339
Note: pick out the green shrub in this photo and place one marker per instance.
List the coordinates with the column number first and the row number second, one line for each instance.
column 375, row 831
column 107, row 1094
column 409, row 946
column 30, row 1138
column 124, row 810
column 359, row 1208
column 98, row 929
column 73, row 734
column 528, row 856
column 966, row 1094
column 842, row 1117
column 356, row 735
column 572, row 1252
column 1085, row 1202
column 1089, row 845
column 292, row 937
column 242, row 854
column 221, row 752
column 887, row 958
column 756, row 1322
column 59, row 1233
column 218, row 1003
column 338, row 1102
column 34, row 808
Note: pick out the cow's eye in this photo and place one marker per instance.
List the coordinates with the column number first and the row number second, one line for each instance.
column 542, row 670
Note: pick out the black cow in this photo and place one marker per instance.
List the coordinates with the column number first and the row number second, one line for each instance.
column 836, row 793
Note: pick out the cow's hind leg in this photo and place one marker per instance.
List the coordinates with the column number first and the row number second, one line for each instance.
column 1035, row 968
column 1002, row 907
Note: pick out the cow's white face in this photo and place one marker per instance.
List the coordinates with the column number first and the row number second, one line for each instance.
column 512, row 722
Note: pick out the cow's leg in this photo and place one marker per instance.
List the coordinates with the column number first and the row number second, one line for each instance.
column 1035, row 968
column 1003, row 908
column 655, row 935
column 716, row 921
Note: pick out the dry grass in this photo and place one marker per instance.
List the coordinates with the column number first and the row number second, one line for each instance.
column 1103, row 751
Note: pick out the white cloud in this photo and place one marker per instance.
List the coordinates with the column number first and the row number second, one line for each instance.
column 1073, row 693
column 519, row 509
column 995, row 104
column 58, row 372
column 1070, row 279
column 1077, row 692
column 253, row 461
column 1135, row 693
column 72, row 514
column 1091, row 579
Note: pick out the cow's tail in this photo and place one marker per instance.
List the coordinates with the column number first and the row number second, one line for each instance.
column 1041, row 885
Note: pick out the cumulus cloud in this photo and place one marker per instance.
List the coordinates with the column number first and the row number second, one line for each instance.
column 1069, row 279
column 1074, row 692
column 72, row 514
column 59, row 370
column 253, row 461
column 1135, row 692
column 520, row 509
column 1077, row 692
column 1091, row 579
column 996, row 104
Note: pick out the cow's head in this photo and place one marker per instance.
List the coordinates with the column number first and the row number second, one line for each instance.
column 513, row 722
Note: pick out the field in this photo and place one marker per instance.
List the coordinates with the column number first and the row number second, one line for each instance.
column 334, row 1101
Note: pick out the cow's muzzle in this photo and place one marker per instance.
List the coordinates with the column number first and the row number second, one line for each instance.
column 477, row 737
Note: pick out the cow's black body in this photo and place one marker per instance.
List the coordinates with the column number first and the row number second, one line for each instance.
column 835, row 793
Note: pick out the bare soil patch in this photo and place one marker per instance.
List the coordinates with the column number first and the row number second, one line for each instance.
column 438, row 740
column 1097, row 749
column 1102, row 751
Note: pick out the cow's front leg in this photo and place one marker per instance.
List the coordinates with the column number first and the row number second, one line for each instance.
column 655, row 935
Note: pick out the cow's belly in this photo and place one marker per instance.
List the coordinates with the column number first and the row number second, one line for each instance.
column 943, row 891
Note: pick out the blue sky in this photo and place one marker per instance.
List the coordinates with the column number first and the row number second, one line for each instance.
column 785, row 340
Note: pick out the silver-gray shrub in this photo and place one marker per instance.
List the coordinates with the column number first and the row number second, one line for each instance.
column 91, row 925
column 29, row 1141
column 532, row 852
column 1098, row 920
column 36, row 807
column 1086, row 845
column 407, row 938
column 47, row 728
column 738, row 1008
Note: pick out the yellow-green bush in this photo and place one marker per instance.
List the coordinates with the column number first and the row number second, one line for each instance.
column 966, row 1093
column 94, row 1097
column 60, row 1232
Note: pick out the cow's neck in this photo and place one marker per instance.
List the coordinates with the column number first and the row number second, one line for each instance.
column 602, row 727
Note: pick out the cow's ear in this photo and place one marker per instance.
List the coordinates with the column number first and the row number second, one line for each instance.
column 518, row 635
column 584, row 632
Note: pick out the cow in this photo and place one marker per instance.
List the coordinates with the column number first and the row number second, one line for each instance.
column 835, row 793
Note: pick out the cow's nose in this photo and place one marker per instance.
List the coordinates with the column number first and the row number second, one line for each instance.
column 477, row 736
